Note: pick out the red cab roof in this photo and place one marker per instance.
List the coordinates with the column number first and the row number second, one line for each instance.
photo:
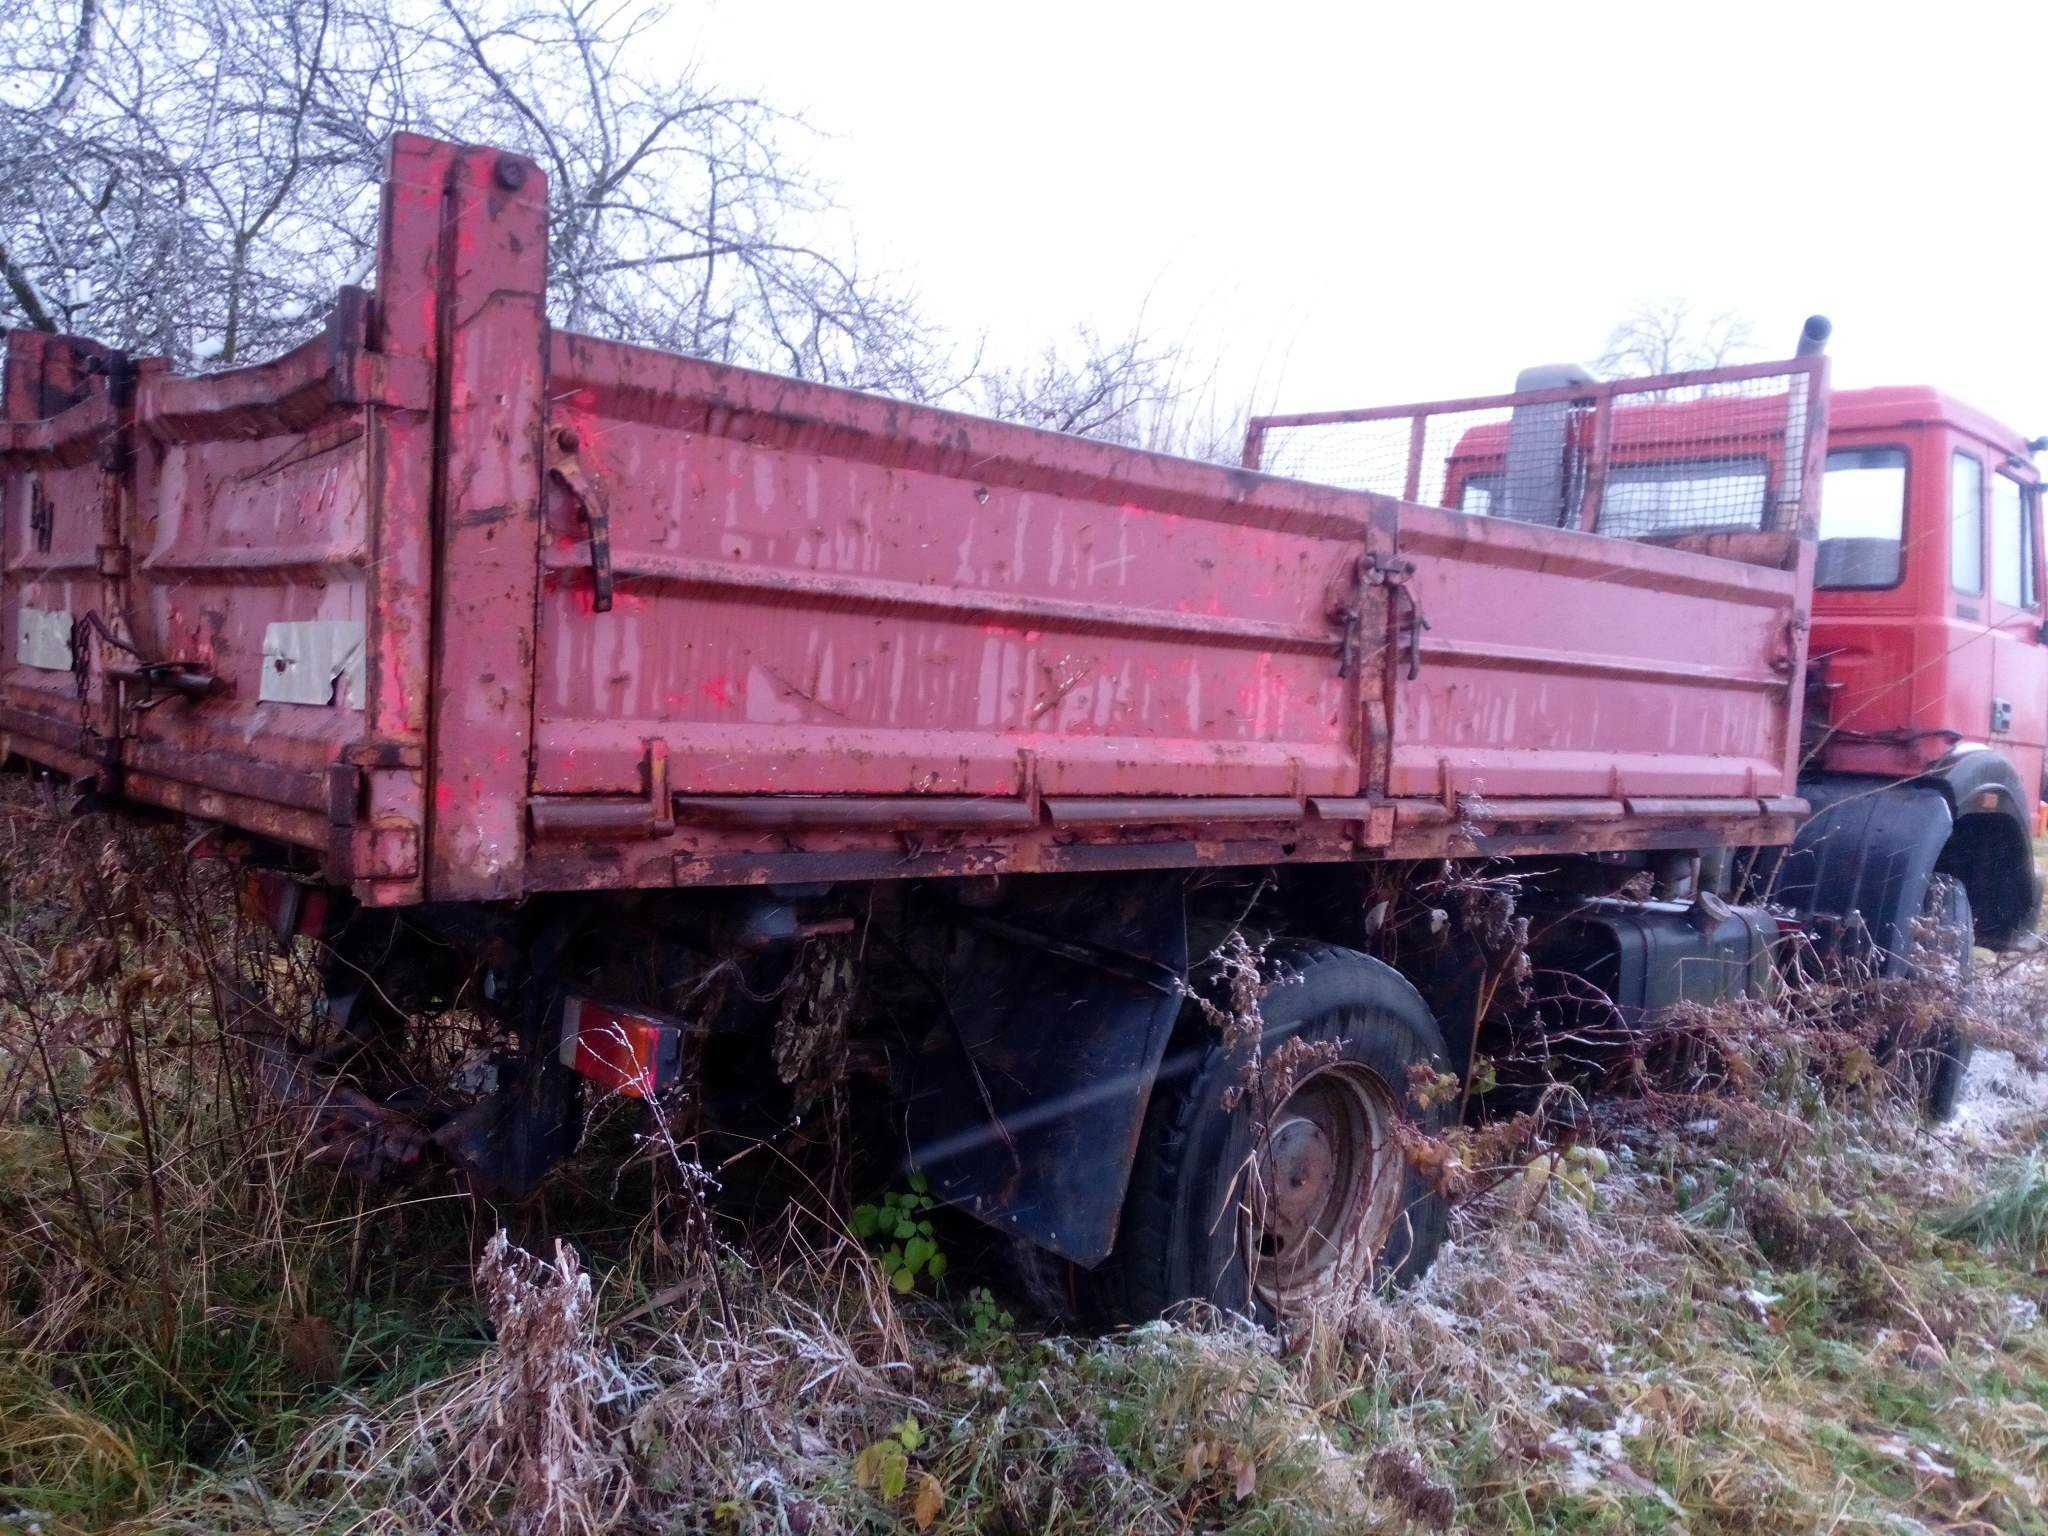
column 1916, row 405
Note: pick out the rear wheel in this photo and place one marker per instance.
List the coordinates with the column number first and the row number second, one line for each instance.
column 1944, row 952
column 1266, row 1187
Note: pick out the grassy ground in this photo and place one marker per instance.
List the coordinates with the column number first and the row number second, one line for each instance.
column 1784, row 1306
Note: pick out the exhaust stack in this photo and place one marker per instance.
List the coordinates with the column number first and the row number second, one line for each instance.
column 1537, row 487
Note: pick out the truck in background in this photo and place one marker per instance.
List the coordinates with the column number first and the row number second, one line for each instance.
column 724, row 740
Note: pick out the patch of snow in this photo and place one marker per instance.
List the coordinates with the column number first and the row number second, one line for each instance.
column 1581, row 1472
column 1913, row 1456
column 1997, row 1093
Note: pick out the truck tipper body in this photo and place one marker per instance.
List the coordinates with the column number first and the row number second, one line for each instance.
column 593, row 671
column 473, row 609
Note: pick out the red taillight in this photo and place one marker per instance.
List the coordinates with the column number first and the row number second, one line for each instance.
column 283, row 905
column 621, row 1050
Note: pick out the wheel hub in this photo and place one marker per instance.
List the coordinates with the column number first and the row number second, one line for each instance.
column 1302, row 1167
column 1331, row 1172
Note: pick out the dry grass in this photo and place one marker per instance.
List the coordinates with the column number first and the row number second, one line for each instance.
column 1784, row 1306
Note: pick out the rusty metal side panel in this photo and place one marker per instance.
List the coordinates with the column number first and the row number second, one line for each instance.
column 488, row 501
column 250, row 522
column 1564, row 664
column 60, row 440
column 246, row 562
column 819, row 592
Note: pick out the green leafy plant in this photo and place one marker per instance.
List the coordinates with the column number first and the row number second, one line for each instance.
column 987, row 1320
column 883, row 1466
column 902, row 1220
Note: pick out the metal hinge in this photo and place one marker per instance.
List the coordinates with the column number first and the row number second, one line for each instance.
column 568, row 469
column 1348, row 609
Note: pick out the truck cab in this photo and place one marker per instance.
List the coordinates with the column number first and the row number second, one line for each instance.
column 1925, row 728
column 1926, row 662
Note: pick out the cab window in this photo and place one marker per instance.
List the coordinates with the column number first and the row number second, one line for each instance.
column 1966, row 523
column 2012, row 543
column 1862, row 519
column 1684, row 496
column 1479, row 494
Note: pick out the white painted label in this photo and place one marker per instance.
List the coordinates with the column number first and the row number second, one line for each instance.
column 313, row 661
column 43, row 639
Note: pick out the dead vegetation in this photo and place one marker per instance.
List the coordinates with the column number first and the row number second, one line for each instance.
column 1744, row 1291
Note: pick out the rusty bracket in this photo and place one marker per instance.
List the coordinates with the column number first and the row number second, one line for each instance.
column 567, row 468
column 611, row 815
column 1786, row 657
column 1414, row 624
column 160, row 680
column 1347, row 609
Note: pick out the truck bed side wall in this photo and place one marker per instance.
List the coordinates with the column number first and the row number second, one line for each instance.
column 1566, row 664
column 826, row 593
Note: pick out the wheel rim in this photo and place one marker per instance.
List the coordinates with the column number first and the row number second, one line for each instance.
column 1332, row 1176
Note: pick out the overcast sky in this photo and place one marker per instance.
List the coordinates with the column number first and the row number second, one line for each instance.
column 1357, row 204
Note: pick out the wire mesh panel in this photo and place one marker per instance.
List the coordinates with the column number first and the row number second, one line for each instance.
column 1720, row 451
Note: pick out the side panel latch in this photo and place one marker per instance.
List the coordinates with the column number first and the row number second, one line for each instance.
column 1347, row 609
column 566, row 467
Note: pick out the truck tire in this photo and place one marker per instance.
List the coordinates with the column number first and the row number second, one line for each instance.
column 1937, row 1066
column 1344, row 1206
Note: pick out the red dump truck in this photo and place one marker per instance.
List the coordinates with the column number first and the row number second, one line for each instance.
column 741, row 743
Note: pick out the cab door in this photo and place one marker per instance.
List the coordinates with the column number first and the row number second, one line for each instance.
column 2018, row 723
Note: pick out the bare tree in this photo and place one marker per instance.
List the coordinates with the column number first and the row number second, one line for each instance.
column 1667, row 336
column 1130, row 388
column 1088, row 385
column 196, row 177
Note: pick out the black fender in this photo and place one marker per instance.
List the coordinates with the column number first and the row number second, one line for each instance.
column 1869, row 848
column 1992, row 847
column 1025, row 1105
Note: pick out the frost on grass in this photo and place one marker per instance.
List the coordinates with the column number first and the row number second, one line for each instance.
column 1775, row 1301
column 528, row 1440
column 547, row 1399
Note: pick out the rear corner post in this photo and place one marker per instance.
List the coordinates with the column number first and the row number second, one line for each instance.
column 377, row 793
column 487, row 522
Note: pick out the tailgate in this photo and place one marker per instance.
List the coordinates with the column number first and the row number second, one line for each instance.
column 59, row 499
column 249, row 551
column 240, row 565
